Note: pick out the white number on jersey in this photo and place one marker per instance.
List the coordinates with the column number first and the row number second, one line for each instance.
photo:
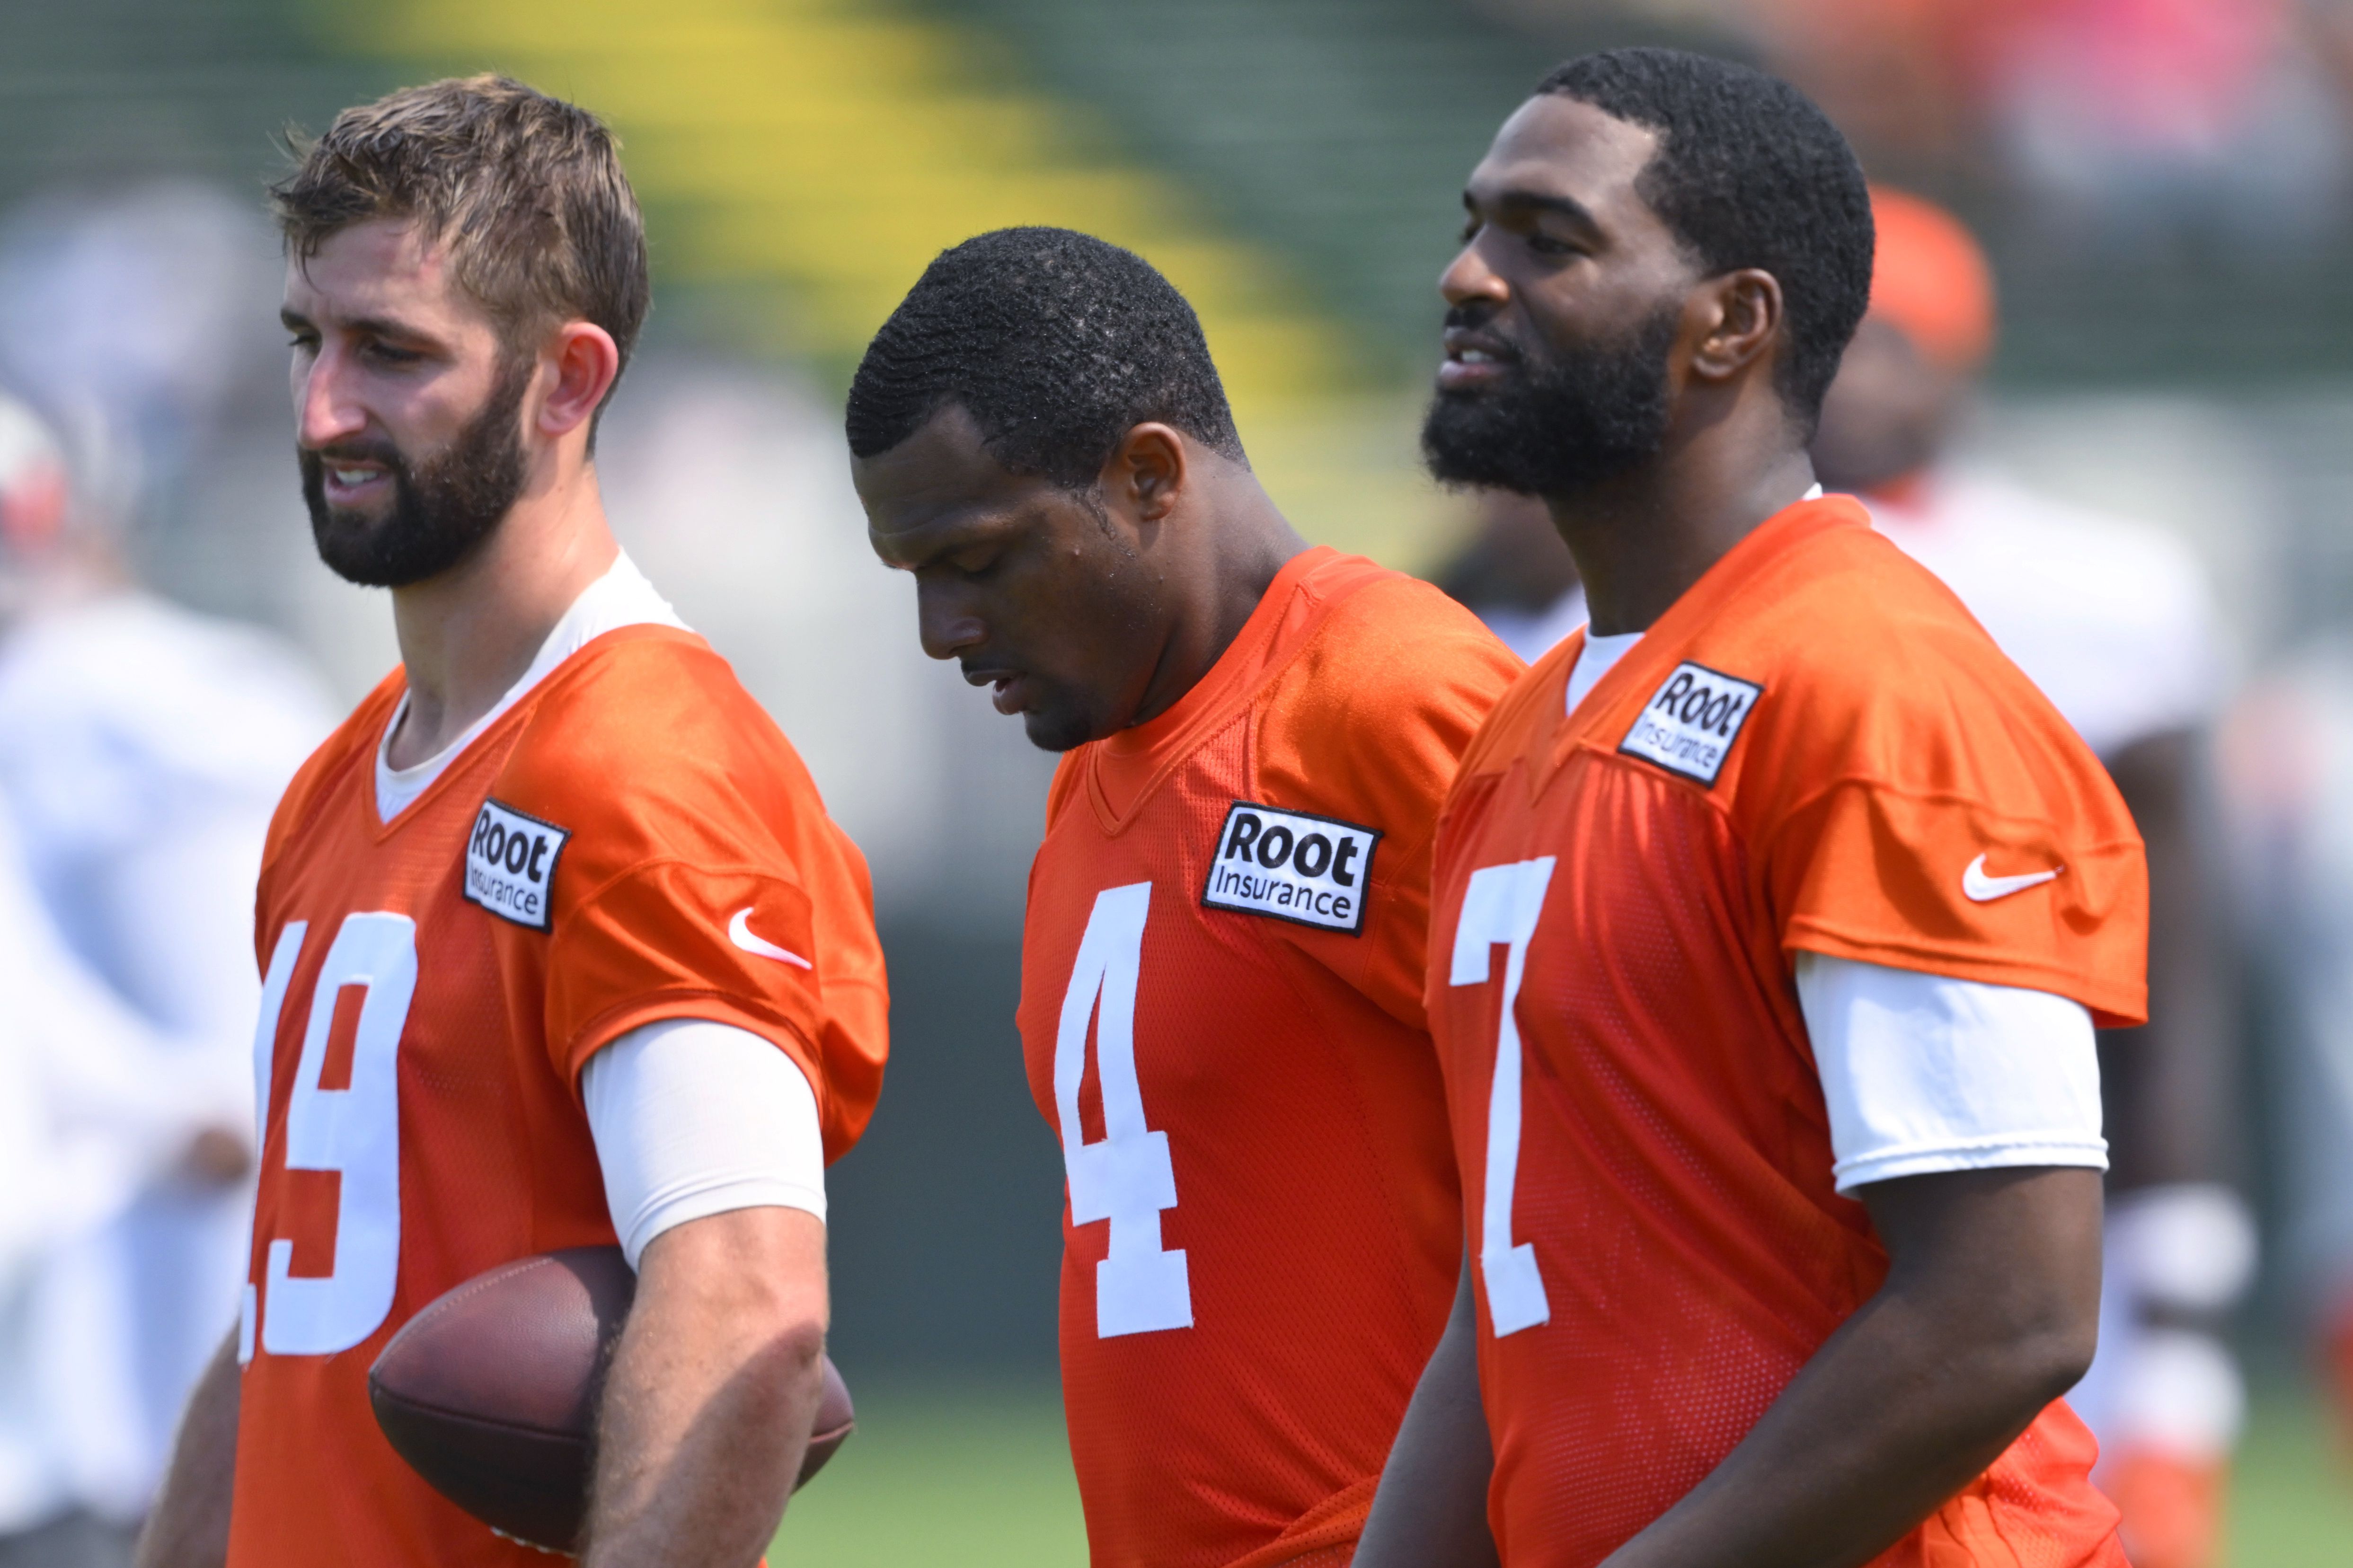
column 1127, row 1178
column 1501, row 905
column 354, row 1130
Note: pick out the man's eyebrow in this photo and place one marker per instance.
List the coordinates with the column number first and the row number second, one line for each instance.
column 387, row 327
column 372, row 326
column 1568, row 207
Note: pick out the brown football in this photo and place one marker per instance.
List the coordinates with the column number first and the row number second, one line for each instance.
column 491, row 1393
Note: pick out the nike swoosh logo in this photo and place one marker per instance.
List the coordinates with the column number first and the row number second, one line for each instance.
column 739, row 932
column 1982, row 889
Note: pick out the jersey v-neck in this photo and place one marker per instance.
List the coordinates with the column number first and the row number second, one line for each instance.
column 1700, row 603
column 621, row 597
column 1597, row 656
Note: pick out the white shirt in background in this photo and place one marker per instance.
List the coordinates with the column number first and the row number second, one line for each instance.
column 142, row 749
column 2112, row 619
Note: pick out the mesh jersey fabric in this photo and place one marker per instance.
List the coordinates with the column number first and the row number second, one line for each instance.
column 432, row 1048
column 1673, row 1169
column 1286, row 1067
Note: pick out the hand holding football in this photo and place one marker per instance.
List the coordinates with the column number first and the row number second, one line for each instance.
column 491, row 1393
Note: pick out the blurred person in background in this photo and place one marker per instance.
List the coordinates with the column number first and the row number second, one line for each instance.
column 142, row 747
column 1516, row 576
column 122, row 1126
column 2112, row 619
column 2286, row 752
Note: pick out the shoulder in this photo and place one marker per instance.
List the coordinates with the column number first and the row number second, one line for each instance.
column 643, row 697
column 1871, row 672
column 1382, row 698
column 1395, row 654
column 647, row 735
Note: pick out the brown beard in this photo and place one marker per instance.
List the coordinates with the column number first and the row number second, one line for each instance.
column 443, row 507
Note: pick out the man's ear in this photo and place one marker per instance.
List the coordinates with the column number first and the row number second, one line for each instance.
column 1739, row 312
column 585, row 362
column 1146, row 472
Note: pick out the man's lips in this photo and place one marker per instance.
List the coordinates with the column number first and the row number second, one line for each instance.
column 1008, row 693
column 1473, row 360
column 350, row 479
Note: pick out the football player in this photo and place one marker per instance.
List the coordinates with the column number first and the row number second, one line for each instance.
column 2114, row 621
column 558, row 946
column 1220, row 995
column 1772, row 918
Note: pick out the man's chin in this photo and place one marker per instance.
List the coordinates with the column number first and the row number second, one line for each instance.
column 1052, row 731
column 1468, row 439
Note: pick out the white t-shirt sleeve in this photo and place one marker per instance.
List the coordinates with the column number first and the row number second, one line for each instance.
column 692, row 1118
column 1924, row 1073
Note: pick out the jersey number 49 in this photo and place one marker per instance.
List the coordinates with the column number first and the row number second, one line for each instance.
column 351, row 1127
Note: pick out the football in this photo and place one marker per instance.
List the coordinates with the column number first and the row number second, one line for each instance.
column 491, row 1393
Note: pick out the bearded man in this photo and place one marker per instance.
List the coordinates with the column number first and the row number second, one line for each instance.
column 1778, row 1111
column 558, row 946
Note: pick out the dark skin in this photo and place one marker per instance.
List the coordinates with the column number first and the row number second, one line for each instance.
column 1990, row 1304
column 1086, row 612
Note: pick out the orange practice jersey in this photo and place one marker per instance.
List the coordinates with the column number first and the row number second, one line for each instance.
column 434, row 986
column 1810, row 750
column 1221, row 1013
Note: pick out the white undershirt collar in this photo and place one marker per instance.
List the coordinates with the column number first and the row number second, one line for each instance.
column 1600, row 655
column 621, row 597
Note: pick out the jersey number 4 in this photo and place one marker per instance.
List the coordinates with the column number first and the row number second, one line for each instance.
column 1501, row 905
column 1127, row 1178
column 352, row 1129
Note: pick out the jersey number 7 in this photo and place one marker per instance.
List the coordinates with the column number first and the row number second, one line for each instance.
column 1501, row 905
column 1127, row 1178
column 352, row 1129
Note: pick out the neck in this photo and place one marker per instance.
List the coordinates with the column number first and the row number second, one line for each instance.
column 1641, row 540
column 468, row 635
column 1241, row 541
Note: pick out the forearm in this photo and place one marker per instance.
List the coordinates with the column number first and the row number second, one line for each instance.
column 189, row 1526
column 1910, row 1400
column 1432, row 1509
column 712, row 1390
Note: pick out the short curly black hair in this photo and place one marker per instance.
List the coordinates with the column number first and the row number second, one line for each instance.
column 1748, row 172
column 1056, row 342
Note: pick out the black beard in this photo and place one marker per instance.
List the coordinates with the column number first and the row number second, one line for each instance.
column 1559, row 426
column 442, row 508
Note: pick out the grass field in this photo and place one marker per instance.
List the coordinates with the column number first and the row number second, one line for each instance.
column 2292, row 1499
column 978, row 1477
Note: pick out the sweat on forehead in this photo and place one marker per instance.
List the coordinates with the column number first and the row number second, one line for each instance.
column 1056, row 342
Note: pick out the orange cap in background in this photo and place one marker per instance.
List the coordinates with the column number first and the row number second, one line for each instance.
column 1931, row 277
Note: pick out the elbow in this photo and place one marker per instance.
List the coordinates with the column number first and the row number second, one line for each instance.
column 2035, row 1353
column 795, row 1346
column 2052, row 1358
column 780, row 1327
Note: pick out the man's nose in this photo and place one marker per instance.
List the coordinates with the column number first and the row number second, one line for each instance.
column 947, row 620
column 324, row 410
column 1468, row 280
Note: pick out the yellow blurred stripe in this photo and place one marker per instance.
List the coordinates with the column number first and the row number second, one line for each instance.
column 820, row 152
